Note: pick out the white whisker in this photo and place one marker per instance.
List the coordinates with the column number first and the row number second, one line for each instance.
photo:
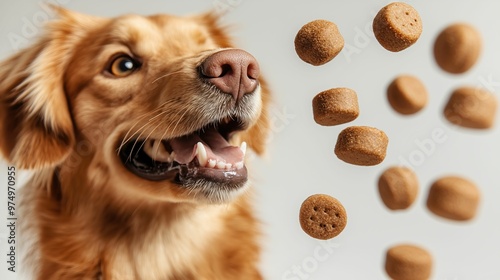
column 125, row 139
column 149, row 135
column 182, row 116
column 166, row 75
column 149, row 123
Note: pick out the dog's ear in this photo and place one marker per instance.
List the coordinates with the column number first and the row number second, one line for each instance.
column 36, row 127
column 257, row 136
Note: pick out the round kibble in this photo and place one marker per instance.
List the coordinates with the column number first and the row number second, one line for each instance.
column 398, row 187
column 318, row 42
column 322, row 216
column 407, row 95
column 361, row 145
column 335, row 106
column 453, row 198
column 397, row 26
column 408, row 262
column 457, row 48
column 471, row 107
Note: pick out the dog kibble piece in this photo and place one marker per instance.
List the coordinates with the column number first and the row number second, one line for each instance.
column 453, row 198
column 471, row 107
column 408, row 262
column 335, row 106
column 398, row 187
column 397, row 26
column 457, row 48
column 318, row 42
column 407, row 95
column 322, row 216
column 361, row 145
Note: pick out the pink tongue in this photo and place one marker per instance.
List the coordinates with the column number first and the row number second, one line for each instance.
column 217, row 147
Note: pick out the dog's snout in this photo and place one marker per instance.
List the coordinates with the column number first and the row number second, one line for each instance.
column 232, row 71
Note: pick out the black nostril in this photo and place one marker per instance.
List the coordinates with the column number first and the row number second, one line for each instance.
column 226, row 69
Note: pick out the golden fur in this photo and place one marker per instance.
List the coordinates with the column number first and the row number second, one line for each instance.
column 63, row 118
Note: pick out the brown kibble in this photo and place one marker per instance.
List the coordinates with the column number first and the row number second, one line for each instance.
column 457, row 48
column 335, row 106
column 361, row 145
column 318, row 42
column 322, row 216
column 408, row 262
column 471, row 107
column 453, row 198
column 398, row 187
column 397, row 26
column 407, row 95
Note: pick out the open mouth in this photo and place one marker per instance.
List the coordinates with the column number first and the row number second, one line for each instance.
column 204, row 154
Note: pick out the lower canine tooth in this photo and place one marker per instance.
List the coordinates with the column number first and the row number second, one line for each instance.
column 161, row 153
column 148, row 148
column 156, row 150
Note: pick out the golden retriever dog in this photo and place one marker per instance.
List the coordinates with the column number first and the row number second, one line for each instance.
column 136, row 129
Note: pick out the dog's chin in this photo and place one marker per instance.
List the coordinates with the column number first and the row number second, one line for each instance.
column 214, row 192
column 202, row 164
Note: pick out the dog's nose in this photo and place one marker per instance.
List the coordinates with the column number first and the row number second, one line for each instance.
column 232, row 71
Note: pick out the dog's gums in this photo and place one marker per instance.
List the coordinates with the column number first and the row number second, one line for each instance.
column 202, row 155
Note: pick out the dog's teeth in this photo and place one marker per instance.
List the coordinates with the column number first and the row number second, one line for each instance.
column 201, row 153
column 156, row 150
column 228, row 166
column 160, row 152
column 172, row 156
column 148, row 148
column 221, row 165
column 212, row 163
column 243, row 148
column 239, row 165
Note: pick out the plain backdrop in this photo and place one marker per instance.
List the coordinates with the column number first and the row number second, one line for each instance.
column 300, row 160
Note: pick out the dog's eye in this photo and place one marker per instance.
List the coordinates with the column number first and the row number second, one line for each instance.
column 123, row 66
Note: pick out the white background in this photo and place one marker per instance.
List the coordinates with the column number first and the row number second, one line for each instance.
column 301, row 161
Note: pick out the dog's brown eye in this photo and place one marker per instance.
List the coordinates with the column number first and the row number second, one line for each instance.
column 123, row 66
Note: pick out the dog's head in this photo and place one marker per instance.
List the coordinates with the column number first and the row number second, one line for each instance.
column 159, row 107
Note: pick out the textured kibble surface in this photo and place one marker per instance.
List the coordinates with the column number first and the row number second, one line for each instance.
column 407, row 95
column 398, row 187
column 335, row 106
column 408, row 262
column 454, row 198
column 397, row 26
column 361, row 145
column 322, row 216
column 318, row 42
column 457, row 48
column 471, row 107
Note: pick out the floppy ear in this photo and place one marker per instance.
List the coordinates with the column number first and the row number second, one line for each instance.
column 36, row 128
